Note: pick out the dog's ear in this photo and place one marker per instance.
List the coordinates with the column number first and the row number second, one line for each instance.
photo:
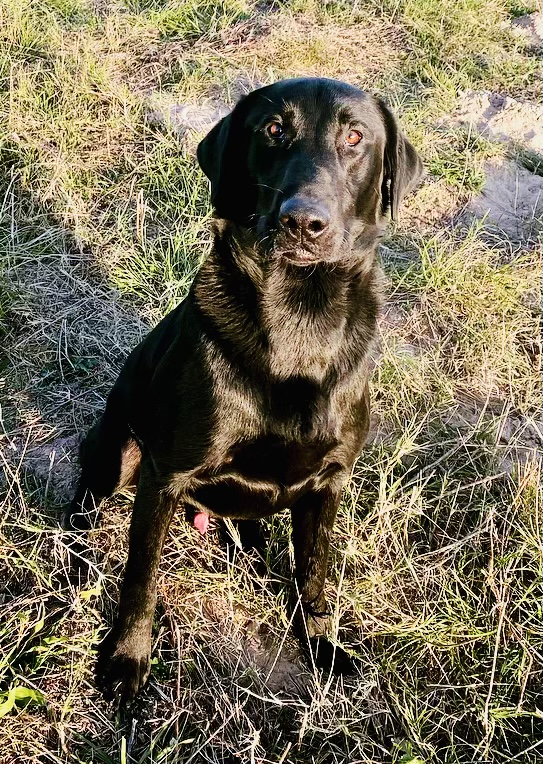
column 222, row 155
column 402, row 165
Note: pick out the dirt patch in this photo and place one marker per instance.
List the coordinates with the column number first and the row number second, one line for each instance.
column 193, row 118
column 502, row 118
column 278, row 667
column 434, row 204
column 191, row 121
column 518, row 439
column 515, row 439
column 69, row 336
column 67, row 322
column 510, row 202
column 511, row 199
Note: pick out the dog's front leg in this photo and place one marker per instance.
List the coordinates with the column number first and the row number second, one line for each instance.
column 125, row 655
column 312, row 522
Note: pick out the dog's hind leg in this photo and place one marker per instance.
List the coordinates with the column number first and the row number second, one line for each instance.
column 110, row 459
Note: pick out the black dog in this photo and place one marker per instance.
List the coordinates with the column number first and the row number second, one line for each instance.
column 252, row 395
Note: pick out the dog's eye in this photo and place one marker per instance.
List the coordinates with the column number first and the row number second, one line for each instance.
column 353, row 137
column 275, row 130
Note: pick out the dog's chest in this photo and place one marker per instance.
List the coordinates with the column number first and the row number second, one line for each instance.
column 274, row 460
column 281, row 419
column 262, row 475
column 267, row 449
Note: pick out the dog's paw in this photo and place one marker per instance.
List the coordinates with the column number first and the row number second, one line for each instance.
column 310, row 621
column 331, row 658
column 317, row 624
column 123, row 665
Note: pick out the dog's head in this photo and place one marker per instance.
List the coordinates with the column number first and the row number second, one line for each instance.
column 311, row 165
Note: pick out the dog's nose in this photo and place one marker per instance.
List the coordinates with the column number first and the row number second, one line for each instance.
column 299, row 215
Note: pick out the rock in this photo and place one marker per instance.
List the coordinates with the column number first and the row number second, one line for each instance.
column 189, row 117
column 192, row 119
column 56, row 465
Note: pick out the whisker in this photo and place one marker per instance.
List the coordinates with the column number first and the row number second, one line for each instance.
column 272, row 188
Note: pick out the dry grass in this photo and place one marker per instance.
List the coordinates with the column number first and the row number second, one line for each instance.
column 436, row 565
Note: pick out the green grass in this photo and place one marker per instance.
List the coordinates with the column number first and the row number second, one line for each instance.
column 436, row 563
column 469, row 323
column 191, row 20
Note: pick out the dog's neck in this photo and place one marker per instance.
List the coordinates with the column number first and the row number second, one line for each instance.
column 303, row 318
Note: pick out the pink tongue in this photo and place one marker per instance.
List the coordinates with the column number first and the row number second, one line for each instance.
column 201, row 522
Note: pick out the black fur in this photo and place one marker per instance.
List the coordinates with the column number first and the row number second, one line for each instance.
column 252, row 395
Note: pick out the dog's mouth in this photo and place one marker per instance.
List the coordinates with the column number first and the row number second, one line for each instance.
column 305, row 253
column 299, row 256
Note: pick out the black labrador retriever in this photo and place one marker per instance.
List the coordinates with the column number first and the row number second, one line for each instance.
column 252, row 395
